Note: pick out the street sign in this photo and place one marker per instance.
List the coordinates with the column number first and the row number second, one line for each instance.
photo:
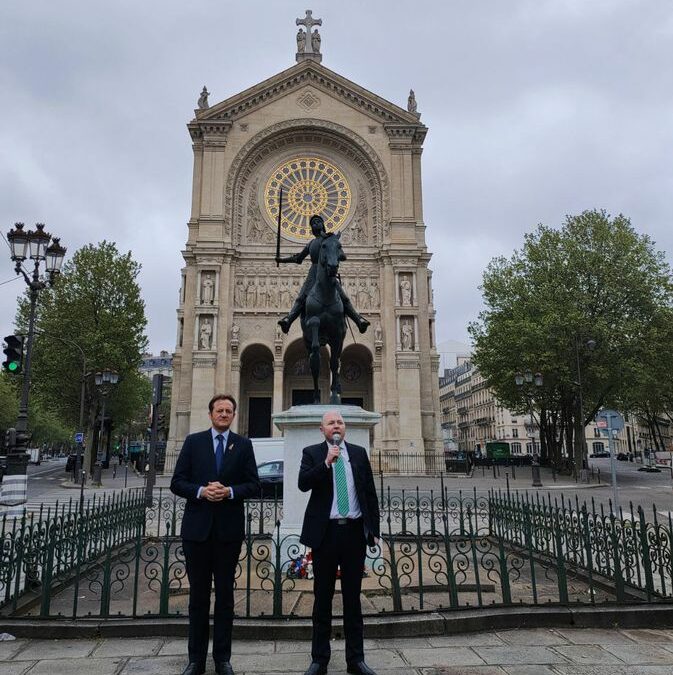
column 79, row 437
column 611, row 419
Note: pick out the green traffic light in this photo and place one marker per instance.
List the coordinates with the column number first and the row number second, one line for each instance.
column 13, row 366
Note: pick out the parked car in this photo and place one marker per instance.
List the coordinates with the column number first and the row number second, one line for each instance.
column 622, row 457
column 271, row 478
column 601, row 453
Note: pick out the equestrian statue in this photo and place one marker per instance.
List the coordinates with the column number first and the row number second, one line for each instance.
column 322, row 304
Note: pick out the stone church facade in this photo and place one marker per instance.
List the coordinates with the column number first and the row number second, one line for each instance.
column 355, row 158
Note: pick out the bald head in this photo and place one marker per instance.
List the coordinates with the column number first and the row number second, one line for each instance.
column 332, row 423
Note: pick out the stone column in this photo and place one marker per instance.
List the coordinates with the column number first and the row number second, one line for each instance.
column 277, row 402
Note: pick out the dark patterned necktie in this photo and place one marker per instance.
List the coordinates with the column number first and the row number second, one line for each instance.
column 219, row 452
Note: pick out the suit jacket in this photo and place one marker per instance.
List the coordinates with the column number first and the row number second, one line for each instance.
column 196, row 467
column 316, row 477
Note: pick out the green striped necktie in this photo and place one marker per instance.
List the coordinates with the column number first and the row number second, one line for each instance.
column 341, row 486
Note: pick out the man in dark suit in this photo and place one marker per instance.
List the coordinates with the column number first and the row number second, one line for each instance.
column 342, row 517
column 215, row 472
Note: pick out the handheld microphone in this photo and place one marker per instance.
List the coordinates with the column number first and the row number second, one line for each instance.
column 336, row 438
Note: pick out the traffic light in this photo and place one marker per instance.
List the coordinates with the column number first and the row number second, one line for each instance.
column 13, row 353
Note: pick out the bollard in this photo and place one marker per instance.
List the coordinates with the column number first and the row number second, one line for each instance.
column 114, row 472
column 126, row 474
column 507, row 480
column 483, row 470
column 494, row 476
column 513, row 471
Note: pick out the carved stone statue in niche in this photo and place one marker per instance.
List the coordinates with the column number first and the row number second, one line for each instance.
column 207, row 289
column 407, row 335
column 261, row 294
column 378, row 333
column 251, row 294
column 285, row 300
column 239, row 293
column 363, row 295
column 405, row 290
column 353, row 291
column 205, row 333
column 272, row 294
column 235, row 333
column 374, row 294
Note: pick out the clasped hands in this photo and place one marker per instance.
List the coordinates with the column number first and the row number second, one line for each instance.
column 215, row 492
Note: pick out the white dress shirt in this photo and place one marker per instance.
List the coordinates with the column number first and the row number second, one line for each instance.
column 225, row 438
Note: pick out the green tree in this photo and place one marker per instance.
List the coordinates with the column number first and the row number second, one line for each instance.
column 9, row 404
column 94, row 309
column 574, row 304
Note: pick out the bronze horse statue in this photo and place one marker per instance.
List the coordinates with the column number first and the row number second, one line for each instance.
column 322, row 320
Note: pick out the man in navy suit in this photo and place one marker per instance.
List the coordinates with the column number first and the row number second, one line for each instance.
column 215, row 472
column 342, row 517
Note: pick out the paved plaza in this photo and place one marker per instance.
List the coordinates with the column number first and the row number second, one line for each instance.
column 581, row 651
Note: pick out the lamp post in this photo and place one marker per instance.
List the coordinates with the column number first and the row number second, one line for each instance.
column 525, row 382
column 34, row 245
column 580, row 431
column 104, row 381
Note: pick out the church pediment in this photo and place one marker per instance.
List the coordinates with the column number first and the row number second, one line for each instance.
column 296, row 78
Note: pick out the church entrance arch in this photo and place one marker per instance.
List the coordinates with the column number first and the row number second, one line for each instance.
column 256, row 391
column 356, row 377
column 297, row 380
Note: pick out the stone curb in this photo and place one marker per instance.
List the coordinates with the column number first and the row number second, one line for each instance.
column 392, row 626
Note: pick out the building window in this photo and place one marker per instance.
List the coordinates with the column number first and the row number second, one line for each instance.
column 515, row 433
column 516, row 448
column 598, row 446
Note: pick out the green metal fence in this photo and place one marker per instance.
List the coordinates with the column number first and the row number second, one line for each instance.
column 438, row 551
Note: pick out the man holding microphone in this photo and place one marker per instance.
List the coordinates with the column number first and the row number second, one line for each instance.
column 341, row 519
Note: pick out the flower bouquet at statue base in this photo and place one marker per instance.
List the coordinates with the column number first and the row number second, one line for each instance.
column 301, row 567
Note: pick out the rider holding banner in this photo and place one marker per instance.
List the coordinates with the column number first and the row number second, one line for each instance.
column 312, row 249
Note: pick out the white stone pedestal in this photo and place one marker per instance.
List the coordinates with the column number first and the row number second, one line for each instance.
column 301, row 427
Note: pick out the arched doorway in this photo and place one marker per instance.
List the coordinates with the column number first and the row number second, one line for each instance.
column 297, row 379
column 256, row 391
column 356, row 377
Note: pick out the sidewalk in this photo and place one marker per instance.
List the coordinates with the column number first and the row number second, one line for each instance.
column 560, row 651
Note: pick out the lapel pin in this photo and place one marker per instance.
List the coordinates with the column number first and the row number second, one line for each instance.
column 231, row 445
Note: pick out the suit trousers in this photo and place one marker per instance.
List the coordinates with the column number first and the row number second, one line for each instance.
column 205, row 561
column 344, row 546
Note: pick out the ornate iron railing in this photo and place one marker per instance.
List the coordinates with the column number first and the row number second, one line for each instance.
column 630, row 551
column 437, row 551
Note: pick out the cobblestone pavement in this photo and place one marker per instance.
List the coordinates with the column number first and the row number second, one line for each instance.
column 514, row 652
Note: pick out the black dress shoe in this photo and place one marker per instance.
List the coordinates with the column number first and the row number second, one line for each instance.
column 223, row 668
column 316, row 669
column 194, row 669
column 360, row 668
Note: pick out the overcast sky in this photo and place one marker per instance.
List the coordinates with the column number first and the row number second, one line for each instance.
column 536, row 109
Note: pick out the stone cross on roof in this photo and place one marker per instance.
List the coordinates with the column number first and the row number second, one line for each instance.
column 308, row 43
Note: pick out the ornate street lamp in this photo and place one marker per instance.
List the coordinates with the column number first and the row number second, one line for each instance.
column 526, row 382
column 104, row 381
column 580, row 426
column 33, row 244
